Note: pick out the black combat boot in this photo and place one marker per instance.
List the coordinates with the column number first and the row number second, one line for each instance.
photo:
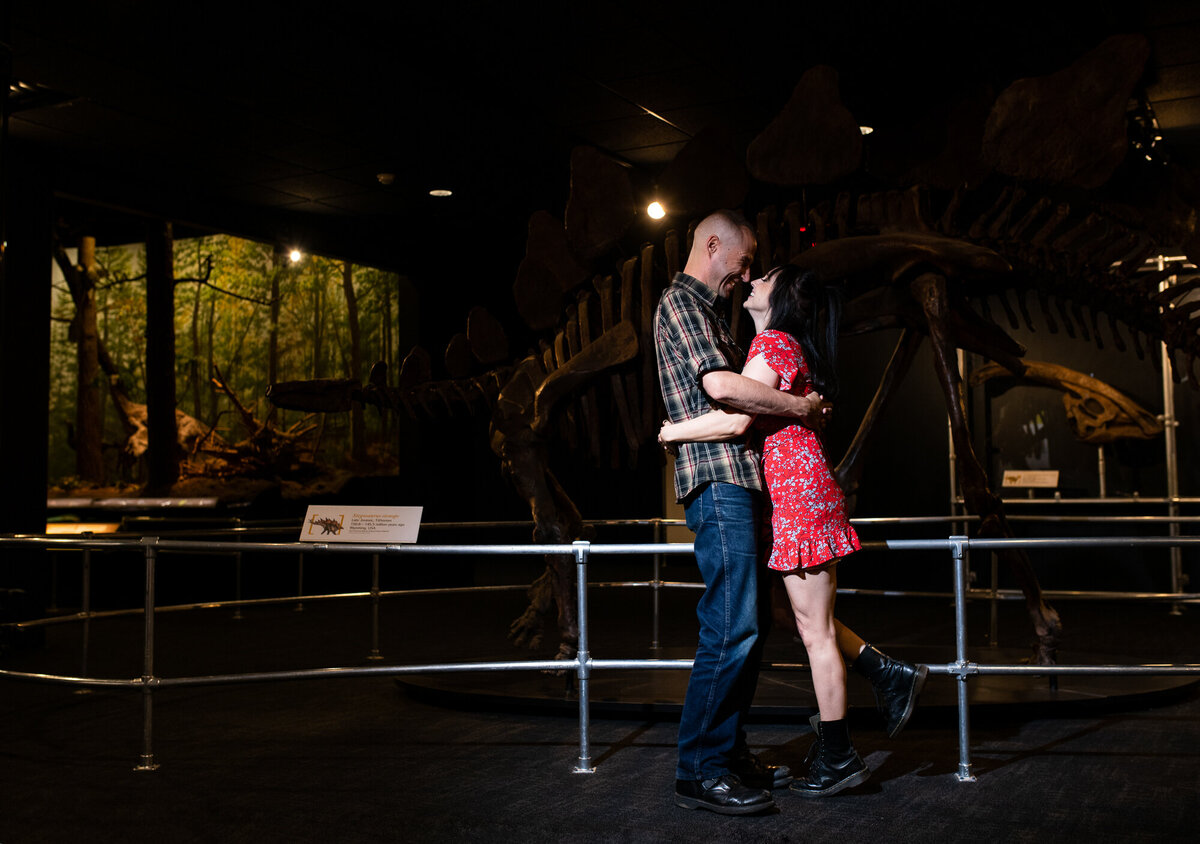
column 815, row 748
column 897, row 685
column 837, row 765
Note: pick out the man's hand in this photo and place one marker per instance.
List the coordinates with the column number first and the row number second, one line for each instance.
column 663, row 438
column 816, row 412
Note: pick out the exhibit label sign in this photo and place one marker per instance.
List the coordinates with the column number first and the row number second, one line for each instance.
column 344, row 523
column 1041, row 478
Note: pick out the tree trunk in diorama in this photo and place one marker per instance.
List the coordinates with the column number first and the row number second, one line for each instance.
column 102, row 357
column 358, row 440
column 277, row 265
column 213, row 394
column 318, row 326
column 162, row 454
column 89, row 424
column 194, row 364
column 391, row 421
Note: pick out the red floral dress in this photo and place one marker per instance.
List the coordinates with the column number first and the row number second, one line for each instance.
column 806, row 507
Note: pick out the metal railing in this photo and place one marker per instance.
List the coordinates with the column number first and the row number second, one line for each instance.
column 241, row 530
column 583, row 664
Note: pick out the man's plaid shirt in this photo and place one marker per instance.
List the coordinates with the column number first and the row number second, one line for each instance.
column 691, row 339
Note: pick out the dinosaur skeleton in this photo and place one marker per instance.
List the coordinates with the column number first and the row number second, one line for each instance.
column 1096, row 412
column 920, row 260
column 913, row 281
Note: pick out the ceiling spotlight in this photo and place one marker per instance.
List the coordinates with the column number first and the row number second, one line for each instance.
column 441, row 192
column 385, row 178
column 295, row 256
column 866, row 130
column 655, row 210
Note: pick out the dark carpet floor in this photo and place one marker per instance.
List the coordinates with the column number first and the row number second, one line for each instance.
column 367, row 759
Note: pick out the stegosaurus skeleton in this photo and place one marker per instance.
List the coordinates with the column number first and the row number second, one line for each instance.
column 905, row 266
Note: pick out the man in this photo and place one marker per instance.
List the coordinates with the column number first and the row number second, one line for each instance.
column 699, row 367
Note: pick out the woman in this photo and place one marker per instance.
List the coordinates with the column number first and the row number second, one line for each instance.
column 797, row 319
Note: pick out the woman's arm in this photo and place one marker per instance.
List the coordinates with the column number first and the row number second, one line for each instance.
column 720, row 425
column 744, row 394
column 714, row 426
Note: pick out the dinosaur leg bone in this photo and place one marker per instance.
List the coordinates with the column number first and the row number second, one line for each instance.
column 930, row 290
column 849, row 471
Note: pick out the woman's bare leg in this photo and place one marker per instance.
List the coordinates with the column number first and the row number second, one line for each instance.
column 812, row 593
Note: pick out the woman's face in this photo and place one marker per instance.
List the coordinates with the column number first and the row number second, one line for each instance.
column 759, row 301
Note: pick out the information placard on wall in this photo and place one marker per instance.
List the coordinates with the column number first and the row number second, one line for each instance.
column 1040, row 478
column 345, row 523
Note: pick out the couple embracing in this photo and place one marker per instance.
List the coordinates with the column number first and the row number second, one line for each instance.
column 714, row 394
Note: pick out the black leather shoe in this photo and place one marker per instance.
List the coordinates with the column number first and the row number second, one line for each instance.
column 724, row 795
column 897, row 685
column 756, row 773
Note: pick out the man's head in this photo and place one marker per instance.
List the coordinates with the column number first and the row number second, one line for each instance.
column 722, row 251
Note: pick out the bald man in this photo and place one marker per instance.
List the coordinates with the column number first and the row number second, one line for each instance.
column 720, row 484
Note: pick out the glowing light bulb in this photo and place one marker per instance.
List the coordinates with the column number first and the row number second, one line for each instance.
column 656, row 210
column 441, row 192
column 295, row 256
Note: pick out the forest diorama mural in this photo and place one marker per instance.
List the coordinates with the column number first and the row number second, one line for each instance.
column 245, row 314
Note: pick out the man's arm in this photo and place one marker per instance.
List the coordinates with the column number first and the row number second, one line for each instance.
column 754, row 397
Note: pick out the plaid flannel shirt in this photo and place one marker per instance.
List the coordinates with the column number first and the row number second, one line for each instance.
column 692, row 339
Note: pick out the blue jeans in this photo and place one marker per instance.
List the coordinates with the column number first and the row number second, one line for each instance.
column 724, row 518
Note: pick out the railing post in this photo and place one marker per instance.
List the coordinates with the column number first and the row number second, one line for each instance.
column 1170, row 424
column 300, row 582
column 374, row 654
column 656, row 586
column 994, row 618
column 86, row 610
column 237, row 586
column 146, row 762
column 582, row 657
column 959, row 555
column 53, row 608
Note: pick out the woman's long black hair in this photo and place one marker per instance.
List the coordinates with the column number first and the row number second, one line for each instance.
column 811, row 311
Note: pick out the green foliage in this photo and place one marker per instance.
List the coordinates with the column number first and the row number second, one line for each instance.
column 223, row 322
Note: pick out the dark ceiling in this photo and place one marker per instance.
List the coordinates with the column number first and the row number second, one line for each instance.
column 273, row 121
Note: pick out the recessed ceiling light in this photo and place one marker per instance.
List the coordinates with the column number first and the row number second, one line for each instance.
column 441, row 192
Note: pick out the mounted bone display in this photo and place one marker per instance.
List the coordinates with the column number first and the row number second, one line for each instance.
column 1096, row 412
column 548, row 270
column 1069, row 127
column 974, row 226
column 601, row 207
column 815, row 140
column 486, row 337
column 459, row 359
